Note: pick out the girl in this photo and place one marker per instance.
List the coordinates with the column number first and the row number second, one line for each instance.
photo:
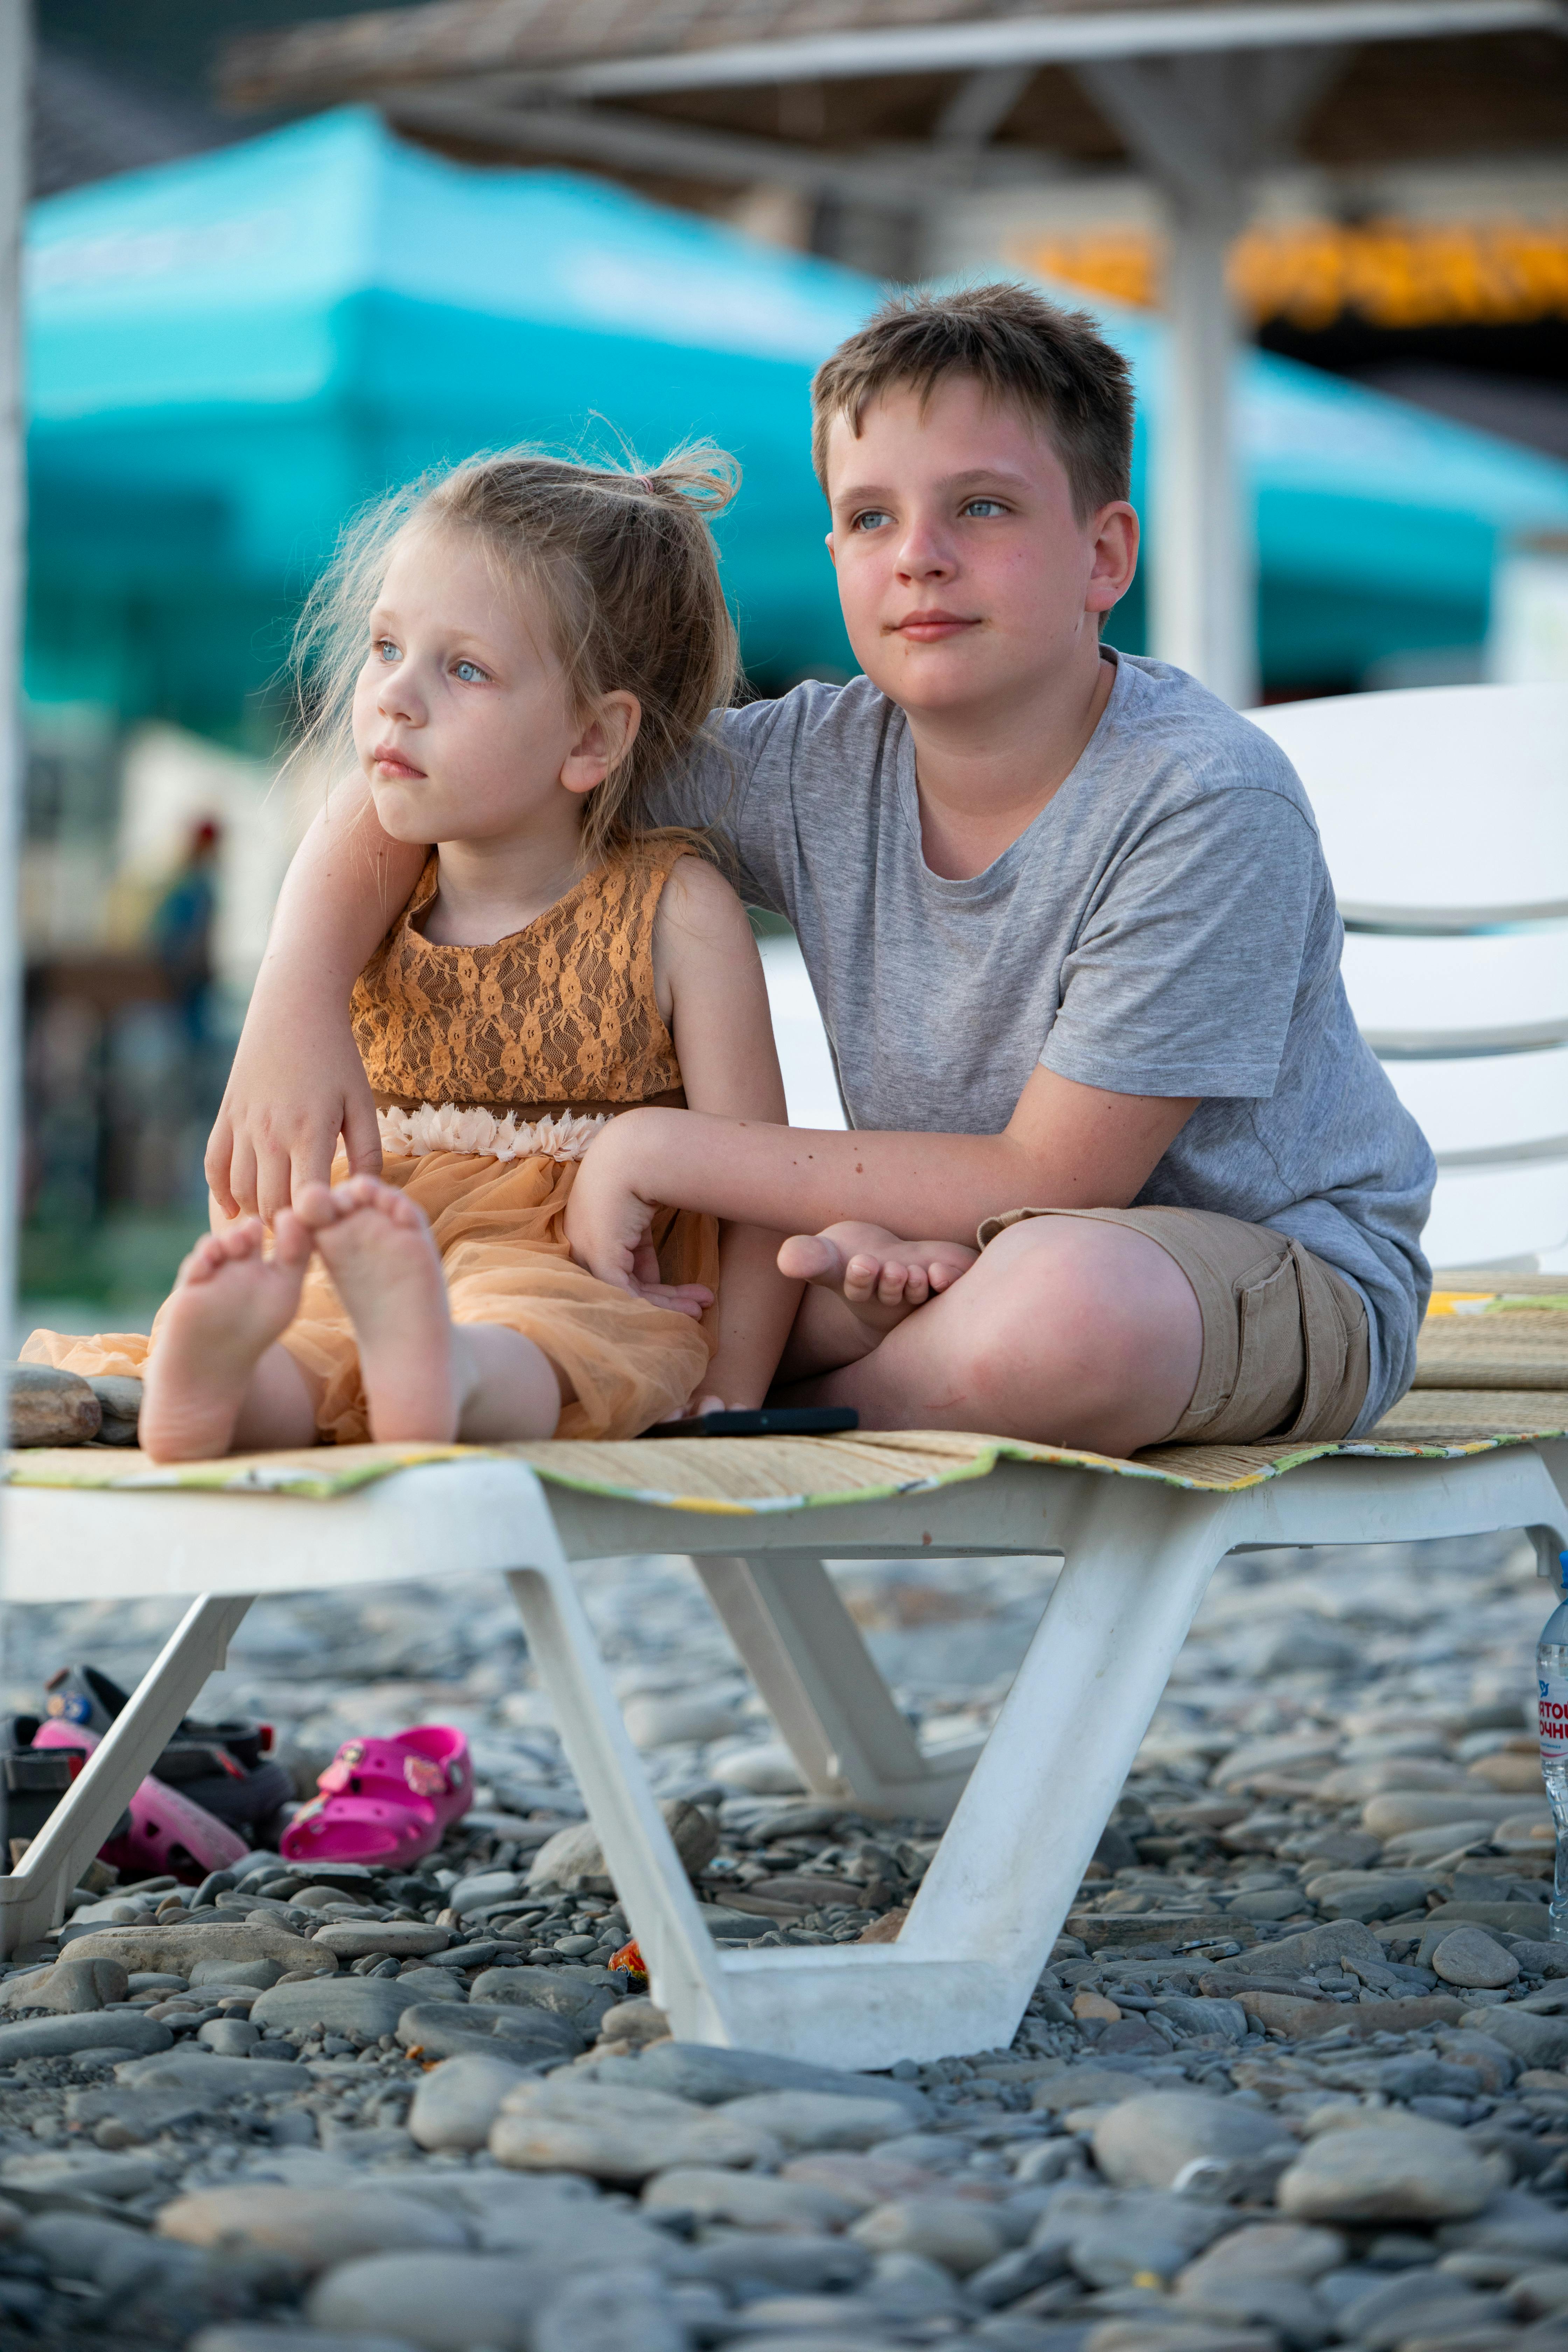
column 516, row 653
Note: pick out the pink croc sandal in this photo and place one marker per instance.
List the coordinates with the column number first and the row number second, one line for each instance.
column 167, row 1832
column 384, row 1801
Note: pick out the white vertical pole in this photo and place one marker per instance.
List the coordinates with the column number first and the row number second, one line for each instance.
column 1203, row 573
column 14, row 84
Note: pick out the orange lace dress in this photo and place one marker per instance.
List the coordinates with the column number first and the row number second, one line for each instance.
column 494, row 1068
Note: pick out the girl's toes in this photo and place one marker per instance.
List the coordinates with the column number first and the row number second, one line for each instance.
column 861, row 1277
column 292, row 1239
column 316, row 1207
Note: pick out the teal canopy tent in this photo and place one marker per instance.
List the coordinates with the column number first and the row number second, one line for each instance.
column 228, row 355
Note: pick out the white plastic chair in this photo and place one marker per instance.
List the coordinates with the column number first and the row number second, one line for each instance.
column 1027, row 1810
column 1444, row 819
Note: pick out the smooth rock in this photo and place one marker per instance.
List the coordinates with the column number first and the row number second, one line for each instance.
column 796, row 2265
column 575, row 1854
column 1305, row 1953
column 484, row 1886
column 76, row 1986
column 119, row 2261
column 813, row 2119
column 959, row 2235
column 566, row 2125
column 62, row 2037
column 1369, row 1893
column 243, row 2338
column 437, row 2302
column 37, row 2182
column 636, row 2022
column 185, row 1945
column 366, row 2006
column 458, row 2101
column 610, row 2312
column 48, row 1407
column 1470, row 1956
column 1396, row 1815
column 1080, row 2086
column 1270, row 2250
column 1535, row 2040
column 579, row 1995
column 1513, row 2223
column 1420, row 2171
column 451, row 2029
column 694, row 2070
column 748, row 2200
column 1301, row 2020
column 257, row 1974
column 316, row 2229
column 401, row 1939
column 229, row 2037
column 1162, row 2138
column 670, row 1719
column 214, row 2079
column 767, row 1769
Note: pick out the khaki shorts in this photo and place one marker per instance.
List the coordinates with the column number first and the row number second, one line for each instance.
column 1285, row 1351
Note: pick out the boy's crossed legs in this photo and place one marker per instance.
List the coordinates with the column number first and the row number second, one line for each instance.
column 219, row 1380
column 1063, row 1331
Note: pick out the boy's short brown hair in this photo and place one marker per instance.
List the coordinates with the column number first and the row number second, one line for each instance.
column 1054, row 365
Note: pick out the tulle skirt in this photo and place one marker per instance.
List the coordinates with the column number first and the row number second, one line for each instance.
column 500, row 1227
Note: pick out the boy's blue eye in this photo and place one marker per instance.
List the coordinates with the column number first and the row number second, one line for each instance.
column 868, row 519
column 984, row 507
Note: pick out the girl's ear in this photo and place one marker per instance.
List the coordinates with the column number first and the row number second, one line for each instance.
column 607, row 735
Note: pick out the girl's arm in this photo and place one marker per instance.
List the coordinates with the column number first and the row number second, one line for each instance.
column 298, row 1082
column 705, row 957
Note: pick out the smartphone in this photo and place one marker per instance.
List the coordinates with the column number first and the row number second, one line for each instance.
column 770, row 1421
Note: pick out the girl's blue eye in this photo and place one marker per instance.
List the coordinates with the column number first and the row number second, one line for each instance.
column 470, row 672
column 385, row 650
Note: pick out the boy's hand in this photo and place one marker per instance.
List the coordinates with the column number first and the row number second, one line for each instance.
column 288, row 1100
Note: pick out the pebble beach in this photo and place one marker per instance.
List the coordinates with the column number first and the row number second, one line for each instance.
column 1295, row 2073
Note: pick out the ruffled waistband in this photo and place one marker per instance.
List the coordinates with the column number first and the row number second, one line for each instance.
column 472, row 1129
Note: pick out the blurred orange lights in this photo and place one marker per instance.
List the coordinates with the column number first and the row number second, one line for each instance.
column 1390, row 273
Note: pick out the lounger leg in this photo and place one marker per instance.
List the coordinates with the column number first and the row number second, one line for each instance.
column 818, row 1681
column 1001, row 1884
column 33, row 1898
column 683, row 1967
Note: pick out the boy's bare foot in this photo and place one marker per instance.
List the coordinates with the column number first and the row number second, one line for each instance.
column 230, row 1302
column 376, row 1245
column 880, row 1277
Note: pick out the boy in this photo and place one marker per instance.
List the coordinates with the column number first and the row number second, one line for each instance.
column 1069, row 922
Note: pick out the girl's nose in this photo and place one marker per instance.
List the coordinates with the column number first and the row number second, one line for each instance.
column 397, row 697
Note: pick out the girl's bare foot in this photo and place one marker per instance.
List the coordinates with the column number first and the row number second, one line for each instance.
column 230, row 1302
column 376, row 1245
column 880, row 1277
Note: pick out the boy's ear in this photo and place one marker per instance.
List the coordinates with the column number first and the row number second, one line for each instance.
column 607, row 735
column 1115, row 558
column 832, row 551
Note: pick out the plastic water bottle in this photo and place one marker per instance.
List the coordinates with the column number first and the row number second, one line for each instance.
column 1551, row 1682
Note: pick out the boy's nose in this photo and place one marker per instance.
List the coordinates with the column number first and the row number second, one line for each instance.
column 922, row 555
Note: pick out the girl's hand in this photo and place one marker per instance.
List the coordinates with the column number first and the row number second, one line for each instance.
column 609, row 1226
column 296, row 1087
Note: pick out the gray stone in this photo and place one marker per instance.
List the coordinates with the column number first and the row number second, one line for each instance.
column 1536, row 2041
column 1271, row 2249
column 448, row 2028
column 1203, row 2015
column 37, row 2183
column 573, row 1856
column 1369, row 1893
column 580, row 1995
column 243, row 2338
column 457, row 2102
column 1162, row 2139
column 437, row 2302
column 566, row 2125
column 1416, row 2170
column 1513, row 2223
column 315, row 2229
column 610, row 2312
column 355, row 2006
column 183, row 1944
column 49, row 1407
column 795, row 2265
column 674, row 1718
column 432, row 1984
column 634, row 2023
column 229, row 2037
column 63, row 2037
column 1083, row 2086
column 694, row 2070
column 401, row 1939
column 952, row 2231
column 1414, row 2304
column 484, row 1886
column 1271, row 1903
column 813, row 2119
column 75, row 1987
column 120, row 1400
column 1305, row 1954
column 127, row 2118
column 257, row 1974
column 111, row 2255
column 1470, row 1956
column 747, row 2201
column 195, row 2069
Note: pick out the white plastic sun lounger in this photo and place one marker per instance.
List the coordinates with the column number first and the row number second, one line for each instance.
column 1139, row 1548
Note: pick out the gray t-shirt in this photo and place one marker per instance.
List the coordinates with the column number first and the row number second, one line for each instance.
column 1167, row 926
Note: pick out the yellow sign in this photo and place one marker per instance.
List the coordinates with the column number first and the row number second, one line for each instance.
column 1389, row 273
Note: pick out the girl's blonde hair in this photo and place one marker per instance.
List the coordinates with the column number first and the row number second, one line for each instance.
column 625, row 563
